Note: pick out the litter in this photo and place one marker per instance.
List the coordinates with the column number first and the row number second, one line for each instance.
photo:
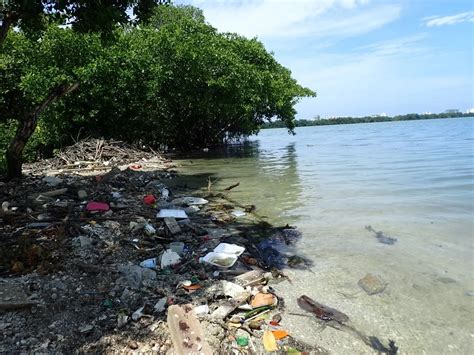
column 269, row 341
column 219, row 259
column 238, row 214
column 93, row 206
column 169, row 258
column 149, row 200
column 229, row 249
column 171, row 213
column 190, row 201
column 149, row 263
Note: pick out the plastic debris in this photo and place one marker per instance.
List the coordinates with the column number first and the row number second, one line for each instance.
column 219, row 259
column 242, row 340
column 186, row 332
column 138, row 314
column 171, row 213
column 149, row 200
column 238, row 214
column 229, row 249
column 201, row 310
column 280, row 334
column 93, row 206
column 263, row 299
column 190, row 201
column 169, row 258
column 149, row 263
column 149, row 229
column 269, row 341
column 161, row 305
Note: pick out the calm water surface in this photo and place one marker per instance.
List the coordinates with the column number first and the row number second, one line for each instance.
column 413, row 180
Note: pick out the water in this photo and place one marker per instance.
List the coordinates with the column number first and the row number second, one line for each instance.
column 413, row 180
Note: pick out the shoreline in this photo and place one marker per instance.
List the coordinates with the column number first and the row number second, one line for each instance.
column 73, row 277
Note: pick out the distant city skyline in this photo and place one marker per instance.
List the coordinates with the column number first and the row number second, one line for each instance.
column 363, row 56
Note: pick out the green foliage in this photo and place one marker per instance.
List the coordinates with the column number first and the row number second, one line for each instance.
column 175, row 81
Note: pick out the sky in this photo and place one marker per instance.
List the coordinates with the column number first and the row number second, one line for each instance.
column 363, row 57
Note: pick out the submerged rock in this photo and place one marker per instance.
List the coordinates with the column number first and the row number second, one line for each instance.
column 372, row 284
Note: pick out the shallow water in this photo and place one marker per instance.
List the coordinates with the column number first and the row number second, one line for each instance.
column 412, row 180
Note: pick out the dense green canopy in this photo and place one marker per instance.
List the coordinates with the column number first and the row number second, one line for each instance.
column 175, row 81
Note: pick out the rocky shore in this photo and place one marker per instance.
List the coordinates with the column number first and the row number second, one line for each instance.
column 102, row 250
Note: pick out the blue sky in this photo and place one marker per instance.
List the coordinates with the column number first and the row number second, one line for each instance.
column 363, row 57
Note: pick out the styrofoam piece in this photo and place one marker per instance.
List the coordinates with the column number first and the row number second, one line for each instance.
column 171, row 213
column 229, row 249
column 189, row 200
column 220, row 259
column 169, row 258
column 238, row 213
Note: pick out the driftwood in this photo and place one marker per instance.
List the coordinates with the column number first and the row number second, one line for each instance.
column 338, row 320
column 232, row 186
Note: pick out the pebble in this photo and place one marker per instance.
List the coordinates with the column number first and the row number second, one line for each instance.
column 133, row 345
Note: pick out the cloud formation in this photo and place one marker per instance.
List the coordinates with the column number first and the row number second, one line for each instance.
column 449, row 20
column 286, row 19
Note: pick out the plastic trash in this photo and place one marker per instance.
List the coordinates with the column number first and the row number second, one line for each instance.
column 149, row 200
column 93, row 206
column 189, row 200
column 201, row 310
column 149, row 263
column 269, row 341
column 219, row 259
column 149, row 229
column 171, row 213
column 242, row 340
column 229, row 249
column 165, row 193
column 161, row 304
column 138, row 314
column 169, row 258
column 238, row 214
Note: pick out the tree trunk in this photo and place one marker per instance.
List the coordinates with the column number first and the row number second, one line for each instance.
column 27, row 127
column 4, row 27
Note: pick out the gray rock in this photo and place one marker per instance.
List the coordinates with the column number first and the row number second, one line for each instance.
column 82, row 194
column 52, row 180
column 372, row 284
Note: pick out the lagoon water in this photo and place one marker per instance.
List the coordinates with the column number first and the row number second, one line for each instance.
column 412, row 180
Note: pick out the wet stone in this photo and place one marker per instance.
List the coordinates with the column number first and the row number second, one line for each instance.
column 372, row 284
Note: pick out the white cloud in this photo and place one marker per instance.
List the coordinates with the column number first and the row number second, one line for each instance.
column 449, row 20
column 270, row 19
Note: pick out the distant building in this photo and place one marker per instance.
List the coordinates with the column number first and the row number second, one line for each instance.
column 453, row 110
column 383, row 114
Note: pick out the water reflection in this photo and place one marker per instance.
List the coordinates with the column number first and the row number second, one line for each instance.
column 268, row 177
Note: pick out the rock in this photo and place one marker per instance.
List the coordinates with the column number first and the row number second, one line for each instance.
column 86, row 329
column 133, row 345
column 5, row 206
column 12, row 296
column 469, row 293
column 372, row 284
column 52, row 180
column 122, row 320
column 82, row 242
column 82, row 194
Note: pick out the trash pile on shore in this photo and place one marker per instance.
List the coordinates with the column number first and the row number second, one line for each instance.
column 119, row 261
